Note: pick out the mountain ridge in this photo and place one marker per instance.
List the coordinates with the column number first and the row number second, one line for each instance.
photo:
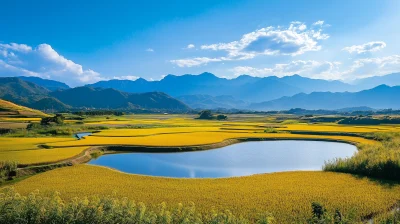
column 380, row 97
column 244, row 87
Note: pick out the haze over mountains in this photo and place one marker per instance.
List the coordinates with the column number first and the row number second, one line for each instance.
column 380, row 97
column 205, row 91
column 246, row 88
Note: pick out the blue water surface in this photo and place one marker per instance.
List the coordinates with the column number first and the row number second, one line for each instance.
column 235, row 160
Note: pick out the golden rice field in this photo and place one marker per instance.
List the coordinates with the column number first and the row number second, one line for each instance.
column 172, row 132
column 286, row 195
column 195, row 138
column 26, row 150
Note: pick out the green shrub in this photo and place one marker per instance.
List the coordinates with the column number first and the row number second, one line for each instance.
column 221, row 117
column 8, row 169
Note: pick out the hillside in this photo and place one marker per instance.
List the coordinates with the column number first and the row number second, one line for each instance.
column 10, row 108
column 380, row 97
column 21, row 92
column 32, row 95
column 90, row 97
column 46, row 83
column 247, row 88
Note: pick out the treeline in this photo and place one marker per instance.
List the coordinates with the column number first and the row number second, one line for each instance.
column 381, row 160
column 363, row 120
column 99, row 112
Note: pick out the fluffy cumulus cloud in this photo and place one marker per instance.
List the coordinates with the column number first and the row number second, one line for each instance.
column 296, row 39
column 310, row 68
column 150, row 50
column 43, row 61
column 368, row 67
column 367, row 47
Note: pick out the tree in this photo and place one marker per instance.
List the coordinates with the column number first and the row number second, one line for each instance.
column 221, row 117
column 58, row 119
column 206, row 114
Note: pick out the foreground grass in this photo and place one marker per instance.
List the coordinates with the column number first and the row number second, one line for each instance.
column 287, row 196
column 35, row 209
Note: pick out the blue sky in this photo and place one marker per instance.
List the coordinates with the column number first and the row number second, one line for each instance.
column 81, row 42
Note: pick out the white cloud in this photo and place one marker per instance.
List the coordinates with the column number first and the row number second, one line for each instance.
column 150, row 50
column 367, row 47
column 319, row 23
column 190, row 46
column 127, row 77
column 16, row 47
column 310, row 68
column 293, row 40
column 368, row 67
column 43, row 61
column 190, row 62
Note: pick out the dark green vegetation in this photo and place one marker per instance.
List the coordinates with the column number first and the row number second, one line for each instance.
column 8, row 170
column 35, row 209
column 207, row 115
column 32, row 95
column 370, row 120
column 21, row 92
column 377, row 160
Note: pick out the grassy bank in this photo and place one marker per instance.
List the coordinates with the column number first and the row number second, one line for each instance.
column 373, row 160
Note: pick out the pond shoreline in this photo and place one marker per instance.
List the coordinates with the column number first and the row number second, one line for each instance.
column 86, row 155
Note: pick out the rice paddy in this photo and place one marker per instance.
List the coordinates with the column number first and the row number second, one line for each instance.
column 287, row 195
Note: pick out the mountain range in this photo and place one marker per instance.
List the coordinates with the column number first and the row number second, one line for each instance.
column 380, row 97
column 38, row 97
column 204, row 91
column 246, row 88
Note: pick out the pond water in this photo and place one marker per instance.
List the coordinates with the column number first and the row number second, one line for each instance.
column 83, row 134
column 235, row 160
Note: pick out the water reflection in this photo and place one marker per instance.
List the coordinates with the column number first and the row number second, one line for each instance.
column 235, row 160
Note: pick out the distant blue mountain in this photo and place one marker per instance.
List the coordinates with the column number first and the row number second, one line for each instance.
column 212, row 102
column 246, row 88
column 46, row 83
column 380, row 97
column 367, row 83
